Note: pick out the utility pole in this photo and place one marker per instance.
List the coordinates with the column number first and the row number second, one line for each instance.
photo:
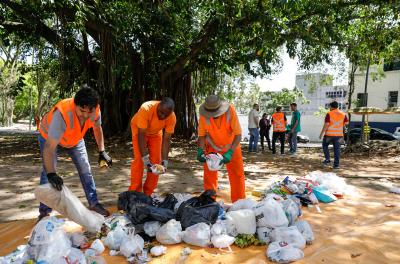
column 30, row 93
column 365, row 103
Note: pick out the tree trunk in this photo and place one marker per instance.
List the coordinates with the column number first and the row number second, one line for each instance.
column 353, row 70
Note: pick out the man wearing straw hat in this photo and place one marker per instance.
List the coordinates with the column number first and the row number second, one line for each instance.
column 219, row 132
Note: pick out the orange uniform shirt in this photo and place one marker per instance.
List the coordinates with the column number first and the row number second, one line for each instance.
column 146, row 118
column 234, row 122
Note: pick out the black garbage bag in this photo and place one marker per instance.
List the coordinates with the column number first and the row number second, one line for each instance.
column 140, row 208
column 169, row 202
column 202, row 209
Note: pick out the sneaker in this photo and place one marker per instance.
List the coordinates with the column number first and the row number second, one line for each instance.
column 336, row 167
column 292, row 153
column 100, row 209
column 326, row 162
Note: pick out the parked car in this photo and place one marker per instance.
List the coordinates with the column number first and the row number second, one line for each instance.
column 375, row 134
column 397, row 132
column 303, row 139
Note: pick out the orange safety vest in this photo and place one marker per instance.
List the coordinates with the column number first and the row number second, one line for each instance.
column 278, row 121
column 73, row 132
column 336, row 123
column 219, row 138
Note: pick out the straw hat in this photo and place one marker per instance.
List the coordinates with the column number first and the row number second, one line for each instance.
column 213, row 107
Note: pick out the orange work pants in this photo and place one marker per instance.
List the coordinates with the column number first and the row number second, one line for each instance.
column 153, row 144
column 235, row 173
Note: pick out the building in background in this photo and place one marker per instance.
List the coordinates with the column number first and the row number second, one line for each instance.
column 382, row 92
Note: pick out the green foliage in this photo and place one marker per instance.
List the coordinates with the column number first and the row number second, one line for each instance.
column 322, row 111
column 283, row 98
column 244, row 240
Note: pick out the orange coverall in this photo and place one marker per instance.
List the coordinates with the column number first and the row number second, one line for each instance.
column 146, row 118
column 219, row 133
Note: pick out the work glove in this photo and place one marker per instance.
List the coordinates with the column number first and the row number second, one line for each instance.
column 227, row 156
column 146, row 161
column 55, row 180
column 103, row 156
column 200, row 155
column 165, row 164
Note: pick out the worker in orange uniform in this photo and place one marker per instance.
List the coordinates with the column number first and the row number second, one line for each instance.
column 219, row 132
column 150, row 144
column 279, row 122
column 335, row 120
column 64, row 126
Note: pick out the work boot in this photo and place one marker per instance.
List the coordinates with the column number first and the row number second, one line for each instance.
column 100, row 209
column 326, row 162
column 336, row 167
column 41, row 216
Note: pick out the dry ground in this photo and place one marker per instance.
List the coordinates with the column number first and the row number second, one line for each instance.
column 20, row 166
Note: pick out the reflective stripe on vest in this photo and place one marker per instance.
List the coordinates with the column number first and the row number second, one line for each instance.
column 73, row 131
column 210, row 141
column 336, row 123
column 278, row 121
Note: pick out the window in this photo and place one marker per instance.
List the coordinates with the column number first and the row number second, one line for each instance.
column 342, row 106
column 392, row 98
column 336, row 94
column 392, row 66
column 362, row 99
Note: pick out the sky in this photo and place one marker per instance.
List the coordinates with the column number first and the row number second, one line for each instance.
column 287, row 77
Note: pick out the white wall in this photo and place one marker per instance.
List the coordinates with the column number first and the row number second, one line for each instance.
column 378, row 92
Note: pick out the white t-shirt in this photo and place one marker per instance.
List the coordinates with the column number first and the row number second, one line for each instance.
column 252, row 116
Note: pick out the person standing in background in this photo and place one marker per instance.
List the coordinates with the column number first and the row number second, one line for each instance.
column 265, row 126
column 253, row 128
column 295, row 128
column 278, row 121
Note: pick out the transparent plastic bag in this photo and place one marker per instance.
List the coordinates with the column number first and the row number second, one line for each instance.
column 115, row 237
column 264, row 234
column 290, row 235
column 170, row 233
column 219, row 228
column 247, row 203
column 151, row 228
column 132, row 245
column 75, row 256
column 213, row 161
column 197, row 235
column 66, row 203
column 222, row 241
column 292, row 209
column 15, row 257
column 158, row 251
column 78, row 239
column 306, row 230
column 282, row 252
column 269, row 213
column 244, row 221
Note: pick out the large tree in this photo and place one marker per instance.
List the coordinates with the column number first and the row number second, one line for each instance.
column 132, row 51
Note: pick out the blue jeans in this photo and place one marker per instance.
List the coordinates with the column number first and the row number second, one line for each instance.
column 253, row 142
column 293, row 142
column 336, row 148
column 80, row 158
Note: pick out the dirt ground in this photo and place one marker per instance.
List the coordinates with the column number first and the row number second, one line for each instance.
column 362, row 228
column 20, row 166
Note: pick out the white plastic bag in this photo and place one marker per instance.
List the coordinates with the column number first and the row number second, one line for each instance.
column 214, row 161
column 98, row 246
column 305, row 229
column 269, row 213
column 78, row 239
column 15, row 257
column 247, row 203
column 197, row 235
column 132, row 245
column 292, row 210
column 66, row 203
column 151, row 228
column 264, row 234
column 181, row 197
column 219, row 228
column 158, row 251
column 75, row 256
column 222, row 241
column 170, row 233
column 282, row 252
column 48, row 242
column 244, row 221
column 290, row 235
column 115, row 237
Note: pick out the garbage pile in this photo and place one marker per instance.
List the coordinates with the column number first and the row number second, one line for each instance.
column 374, row 148
column 145, row 224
